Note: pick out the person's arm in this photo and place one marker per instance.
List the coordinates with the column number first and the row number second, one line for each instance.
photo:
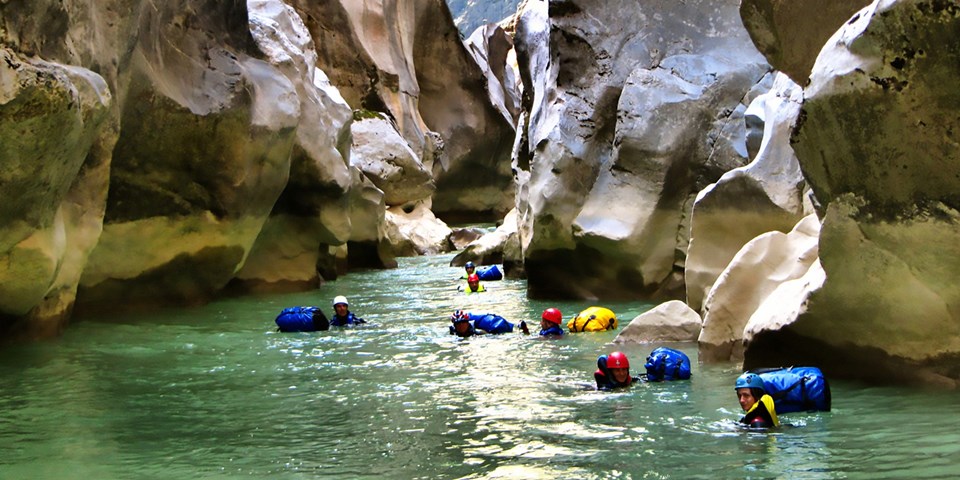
column 601, row 379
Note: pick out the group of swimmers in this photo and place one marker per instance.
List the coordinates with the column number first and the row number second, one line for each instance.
column 613, row 370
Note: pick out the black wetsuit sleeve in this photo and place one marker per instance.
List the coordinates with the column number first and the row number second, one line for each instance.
column 320, row 322
column 602, row 382
column 758, row 417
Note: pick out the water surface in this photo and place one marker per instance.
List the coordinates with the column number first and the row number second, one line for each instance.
column 215, row 392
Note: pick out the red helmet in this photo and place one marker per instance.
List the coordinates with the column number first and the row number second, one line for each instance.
column 617, row 360
column 473, row 278
column 552, row 315
column 460, row 316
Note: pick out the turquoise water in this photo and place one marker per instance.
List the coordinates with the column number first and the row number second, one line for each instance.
column 214, row 392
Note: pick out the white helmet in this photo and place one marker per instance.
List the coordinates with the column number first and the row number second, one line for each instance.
column 340, row 299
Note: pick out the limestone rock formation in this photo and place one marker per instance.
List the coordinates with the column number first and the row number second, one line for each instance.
column 876, row 141
column 672, row 321
column 790, row 33
column 758, row 269
column 407, row 60
column 622, row 126
column 208, row 133
column 495, row 248
column 416, row 231
column 57, row 131
column 461, row 237
column 766, row 195
column 388, row 161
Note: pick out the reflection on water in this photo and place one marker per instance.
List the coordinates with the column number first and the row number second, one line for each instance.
column 215, row 392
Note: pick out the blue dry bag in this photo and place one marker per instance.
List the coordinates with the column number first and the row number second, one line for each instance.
column 665, row 364
column 489, row 273
column 796, row 389
column 300, row 319
column 491, row 323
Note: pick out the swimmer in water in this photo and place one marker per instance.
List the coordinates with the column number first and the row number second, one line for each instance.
column 759, row 407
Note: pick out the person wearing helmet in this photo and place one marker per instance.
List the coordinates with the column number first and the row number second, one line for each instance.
column 466, row 324
column 342, row 315
column 469, row 269
column 550, row 323
column 473, row 284
column 462, row 327
column 613, row 372
column 759, row 407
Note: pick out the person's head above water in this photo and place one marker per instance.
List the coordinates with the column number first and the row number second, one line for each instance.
column 619, row 367
column 550, row 317
column 749, row 389
column 340, row 305
column 469, row 267
column 474, row 281
column 461, row 322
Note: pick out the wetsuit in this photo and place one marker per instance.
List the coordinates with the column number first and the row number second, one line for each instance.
column 604, row 378
column 554, row 330
column 468, row 333
column 762, row 414
column 350, row 319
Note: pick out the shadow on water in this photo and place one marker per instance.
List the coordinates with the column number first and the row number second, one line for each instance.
column 216, row 392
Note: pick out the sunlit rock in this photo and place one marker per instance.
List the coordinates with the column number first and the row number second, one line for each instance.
column 416, row 232
column 388, row 161
column 758, row 270
column 672, row 321
column 790, row 33
column 766, row 195
column 624, row 127
column 492, row 49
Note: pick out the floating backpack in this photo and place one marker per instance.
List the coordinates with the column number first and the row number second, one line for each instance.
column 301, row 319
column 489, row 273
column 491, row 323
column 796, row 389
column 593, row 319
column 666, row 364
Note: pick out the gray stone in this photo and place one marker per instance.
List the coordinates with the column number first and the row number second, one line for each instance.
column 388, row 161
column 630, row 111
column 672, row 321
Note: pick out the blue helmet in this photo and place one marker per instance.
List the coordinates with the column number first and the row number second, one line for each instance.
column 749, row 380
column 469, row 265
column 460, row 316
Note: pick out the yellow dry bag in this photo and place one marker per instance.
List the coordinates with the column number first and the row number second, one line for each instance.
column 593, row 319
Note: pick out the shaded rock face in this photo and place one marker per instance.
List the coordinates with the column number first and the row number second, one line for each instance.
column 875, row 140
column 790, row 33
column 53, row 191
column 622, row 126
column 203, row 154
column 406, row 59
